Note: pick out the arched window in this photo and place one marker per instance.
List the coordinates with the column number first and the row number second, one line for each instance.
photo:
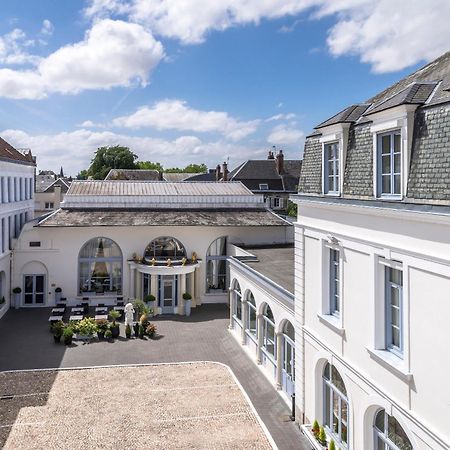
column 251, row 324
column 163, row 248
column 268, row 330
column 216, row 266
column 237, row 301
column 389, row 435
column 288, row 358
column 100, row 267
column 335, row 405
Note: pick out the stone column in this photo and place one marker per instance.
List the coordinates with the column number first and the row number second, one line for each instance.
column 279, row 345
column 231, row 303
column 132, row 283
column 244, row 321
column 182, row 291
column 260, row 327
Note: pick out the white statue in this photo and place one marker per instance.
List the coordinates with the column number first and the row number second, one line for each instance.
column 129, row 314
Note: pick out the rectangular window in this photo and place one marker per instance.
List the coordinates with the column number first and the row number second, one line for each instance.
column 49, row 205
column 394, row 309
column 334, row 283
column 331, row 168
column 263, row 187
column 35, row 243
column 389, row 164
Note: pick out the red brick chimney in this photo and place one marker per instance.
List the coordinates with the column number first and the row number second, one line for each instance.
column 279, row 163
column 218, row 173
column 225, row 171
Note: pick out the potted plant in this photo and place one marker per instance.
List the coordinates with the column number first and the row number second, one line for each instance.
column 86, row 329
column 58, row 330
column 150, row 330
column 322, row 436
column 332, row 445
column 58, row 294
column 17, row 291
column 115, row 330
column 128, row 331
column 315, row 430
column 68, row 335
column 109, row 335
column 102, row 327
column 141, row 331
column 187, row 303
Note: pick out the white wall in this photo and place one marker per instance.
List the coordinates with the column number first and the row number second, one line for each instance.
column 60, row 248
column 413, row 389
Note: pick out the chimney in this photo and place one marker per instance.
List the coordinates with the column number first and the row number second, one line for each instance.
column 279, row 163
column 218, row 174
column 225, row 171
column 271, row 154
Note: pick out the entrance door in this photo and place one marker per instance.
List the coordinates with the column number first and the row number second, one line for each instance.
column 34, row 290
column 168, row 294
column 288, row 369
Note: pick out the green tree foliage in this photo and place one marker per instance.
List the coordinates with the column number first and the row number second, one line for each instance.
column 191, row 168
column 82, row 175
column 292, row 209
column 148, row 165
column 107, row 158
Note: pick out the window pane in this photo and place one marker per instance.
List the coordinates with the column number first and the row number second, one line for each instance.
column 397, row 143
column 386, row 184
column 336, row 401
column 386, row 164
column 344, row 408
column 395, row 337
column 397, row 163
column 386, row 144
column 326, row 372
column 252, row 320
column 395, row 312
column 395, row 296
column 397, row 435
column 379, row 420
column 380, row 444
column 327, row 406
column 337, row 380
column 397, row 187
column 396, row 276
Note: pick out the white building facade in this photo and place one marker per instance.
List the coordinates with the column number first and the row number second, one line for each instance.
column 373, row 270
column 16, row 208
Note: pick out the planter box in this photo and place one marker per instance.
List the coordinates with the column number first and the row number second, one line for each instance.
column 306, row 430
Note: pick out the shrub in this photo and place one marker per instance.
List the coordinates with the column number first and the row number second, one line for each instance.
column 149, row 298
column 322, row 436
column 108, row 334
column 102, row 325
column 141, row 331
column 87, row 326
column 58, row 328
column 114, row 316
column 17, row 290
column 187, row 296
column 332, row 445
column 151, row 329
column 315, row 429
column 68, row 335
column 128, row 331
column 139, row 307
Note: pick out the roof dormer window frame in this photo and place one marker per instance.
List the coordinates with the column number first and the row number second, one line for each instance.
column 334, row 135
column 398, row 120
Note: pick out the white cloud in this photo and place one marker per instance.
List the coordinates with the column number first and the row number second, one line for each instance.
column 113, row 53
column 387, row 34
column 76, row 148
column 12, row 48
column 285, row 135
column 177, row 115
column 47, row 28
column 277, row 117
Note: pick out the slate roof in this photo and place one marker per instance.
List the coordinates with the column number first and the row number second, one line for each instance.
column 429, row 171
column 9, row 153
column 208, row 176
column 216, row 218
column 257, row 171
column 62, row 182
column 133, row 174
column 347, row 115
column 168, row 176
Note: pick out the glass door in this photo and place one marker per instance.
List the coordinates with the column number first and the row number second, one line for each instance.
column 168, row 293
column 288, row 366
column 34, row 290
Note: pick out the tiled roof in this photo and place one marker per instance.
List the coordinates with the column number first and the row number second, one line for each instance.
column 152, row 188
column 133, row 174
column 170, row 176
column 347, row 115
column 8, row 152
column 89, row 218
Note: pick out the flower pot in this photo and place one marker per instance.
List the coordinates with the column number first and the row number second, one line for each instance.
column 187, row 307
column 57, row 339
column 115, row 330
column 101, row 335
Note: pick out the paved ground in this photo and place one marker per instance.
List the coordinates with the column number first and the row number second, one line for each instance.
column 165, row 407
column 25, row 343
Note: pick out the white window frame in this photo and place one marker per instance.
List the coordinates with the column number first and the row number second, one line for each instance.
column 334, row 275
column 336, row 175
column 388, row 305
column 392, row 173
column 263, row 187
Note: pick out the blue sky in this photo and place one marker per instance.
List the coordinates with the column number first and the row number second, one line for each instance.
column 198, row 82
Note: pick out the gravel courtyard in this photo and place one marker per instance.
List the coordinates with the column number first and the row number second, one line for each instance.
column 170, row 406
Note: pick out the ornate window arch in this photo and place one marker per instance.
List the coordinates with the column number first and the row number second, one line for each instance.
column 335, row 405
column 100, row 267
column 389, row 434
column 164, row 247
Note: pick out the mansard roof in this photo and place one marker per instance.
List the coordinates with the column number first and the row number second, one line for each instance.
column 9, row 153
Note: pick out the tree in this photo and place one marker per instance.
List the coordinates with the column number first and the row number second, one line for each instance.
column 107, row 158
column 196, row 168
column 292, row 209
column 82, row 175
column 148, row 165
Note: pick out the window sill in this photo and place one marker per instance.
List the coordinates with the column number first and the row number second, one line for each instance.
column 395, row 198
column 332, row 322
column 251, row 336
column 391, row 362
column 332, row 194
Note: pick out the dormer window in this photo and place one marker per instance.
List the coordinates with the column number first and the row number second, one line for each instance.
column 389, row 158
column 263, row 187
column 331, row 168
